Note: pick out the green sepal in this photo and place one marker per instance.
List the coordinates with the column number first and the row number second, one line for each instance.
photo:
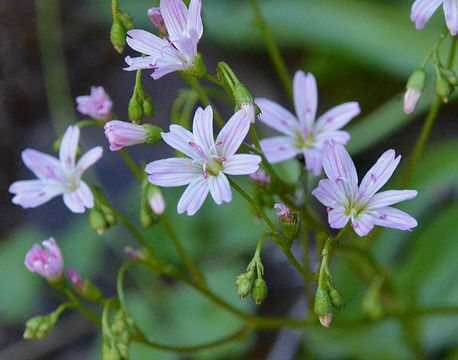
column 259, row 291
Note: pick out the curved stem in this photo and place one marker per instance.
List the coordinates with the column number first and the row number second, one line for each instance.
column 131, row 163
column 193, row 269
column 89, row 122
column 272, row 49
column 212, row 79
column 80, row 307
column 120, row 280
column 242, row 332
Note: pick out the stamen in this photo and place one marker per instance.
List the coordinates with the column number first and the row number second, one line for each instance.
column 328, row 209
column 219, row 142
column 205, row 173
column 281, row 148
column 383, row 217
column 354, row 225
column 189, row 165
column 373, row 177
column 222, row 159
column 41, row 194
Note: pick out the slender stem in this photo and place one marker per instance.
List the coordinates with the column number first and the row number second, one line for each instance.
column 298, row 266
column 194, row 83
column 212, row 79
column 193, row 269
column 120, row 280
column 242, row 332
column 80, row 307
column 428, row 125
column 131, row 163
column 89, row 122
column 272, row 49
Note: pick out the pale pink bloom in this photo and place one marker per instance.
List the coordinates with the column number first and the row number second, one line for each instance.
column 122, row 133
column 48, row 263
column 411, row 98
column 157, row 19
column 57, row 176
column 179, row 50
column 75, row 278
column 422, row 10
column 157, row 202
column 97, row 105
column 302, row 134
column 283, row 211
column 210, row 160
column 361, row 205
column 260, row 177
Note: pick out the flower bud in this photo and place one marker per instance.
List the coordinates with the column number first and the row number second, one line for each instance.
column 122, row 133
column 97, row 105
column 289, row 221
column 135, row 110
column 146, row 218
column 158, row 21
column 118, row 36
column 39, row 326
column 157, row 201
column 75, row 279
column 97, row 221
column 259, row 291
column 48, row 263
column 323, row 307
column 244, row 285
column 336, row 298
column 449, row 75
column 411, row 98
column 415, row 86
column 132, row 253
column 260, row 177
column 443, row 87
column 153, row 133
column 126, row 20
column 148, row 107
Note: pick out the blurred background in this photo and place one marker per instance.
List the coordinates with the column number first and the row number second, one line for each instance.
column 362, row 50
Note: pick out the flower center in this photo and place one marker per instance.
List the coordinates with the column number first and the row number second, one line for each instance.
column 213, row 166
column 306, row 139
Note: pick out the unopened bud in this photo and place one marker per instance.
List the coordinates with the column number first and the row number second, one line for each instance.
column 244, row 285
column 118, row 36
column 443, row 87
column 148, row 107
column 289, row 221
column 126, row 20
column 97, row 221
column 135, row 110
column 260, row 177
column 158, row 21
column 336, row 298
column 153, row 133
column 323, row 307
column 39, row 326
column 157, row 202
column 75, row 278
column 411, row 98
column 450, row 76
column 146, row 218
column 325, row 320
column 259, row 291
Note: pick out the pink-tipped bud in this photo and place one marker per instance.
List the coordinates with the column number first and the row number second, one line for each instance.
column 47, row 262
column 157, row 202
column 411, row 98
column 97, row 105
column 75, row 278
column 122, row 133
column 284, row 212
column 157, row 19
column 325, row 320
column 132, row 253
column 260, row 177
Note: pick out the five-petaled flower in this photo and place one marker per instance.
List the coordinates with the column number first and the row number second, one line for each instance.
column 422, row 10
column 48, row 263
column 302, row 135
column 97, row 105
column 57, row 176
column 210, row 160
column 361, row 205
column 178, row 52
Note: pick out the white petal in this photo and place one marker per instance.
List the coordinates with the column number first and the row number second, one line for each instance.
column 220, row 189
column 242, row 164
column 164, row 69
column 74, row 203
column 146, row 43
column 313, row 160
column 339, row 166
column 337, row 218
column 232, row 134
column 183, row 140
column 277, row 117
column 173, row 172
column 395, row 219
column 89, row 159
column 379, row 174
column 33, row 193
column 337, row 117
column 42, row 165
column 305, row 98
column 328, row 193
column 363, row 224
column 279, row 148
column 451, row 15
column 422, row 10
column 337, row 136
column 202, row 128
column 193, row 197
column 194, row 17
column 391, row 197
column 138, row 63
column 68, row 146
column 84, row 194
column 175, row 16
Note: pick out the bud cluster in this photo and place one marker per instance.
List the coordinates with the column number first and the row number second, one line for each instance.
column 122, row 22
column 246, row 285
column 101, row 216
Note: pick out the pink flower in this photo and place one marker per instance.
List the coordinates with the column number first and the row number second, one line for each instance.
column 97, row 105
column 260, row 177
column 48, row 263
column 283, row 212
column 178, row 52
column 157, row 202
column 422, row 10
column 302, row 135
column 57, row 176
column 75, row 278
column 411, row 98
column 157, row 19
column 122, row 133
column 210, row 160
column 361, row 205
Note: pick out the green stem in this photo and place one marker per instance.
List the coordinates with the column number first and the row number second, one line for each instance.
column 242, row 332
column 89, row 122
column 131, row 163
column 195, row 85
column 212, row 79
column 428, row 125
column 80, row 307
column 120, row 280
column 273, row 50
column 193, row 269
